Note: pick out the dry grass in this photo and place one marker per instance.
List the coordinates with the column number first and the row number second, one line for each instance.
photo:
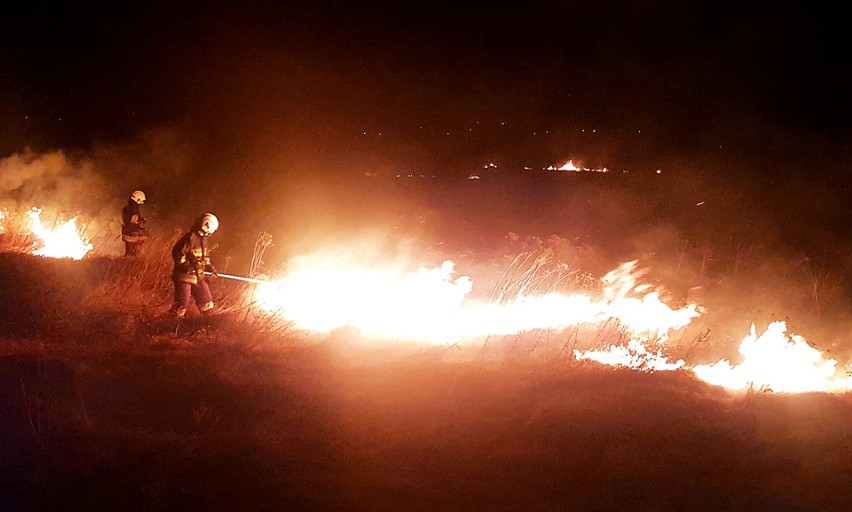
column 539, row 272
column 107, row 403
column 303, row 428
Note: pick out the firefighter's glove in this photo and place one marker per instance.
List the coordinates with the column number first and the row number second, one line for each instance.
column 212, row 270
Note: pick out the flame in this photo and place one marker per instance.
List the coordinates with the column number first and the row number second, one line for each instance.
column 326, row 295
column 63, row 241
column 571, row 167
column 567, row 166
column 322, row 294
column 778, row 362
column 774, row 361
column 2, row 222
column 634, row 356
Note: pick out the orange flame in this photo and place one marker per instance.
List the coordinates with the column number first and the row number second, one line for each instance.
column 571, row 167
column 634, row 355
column 567, row 166
column 322, row 294
column 778, row 362
column 63, row 241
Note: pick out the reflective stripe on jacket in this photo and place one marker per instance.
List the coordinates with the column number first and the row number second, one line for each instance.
column 190, row 258
column 132, row 219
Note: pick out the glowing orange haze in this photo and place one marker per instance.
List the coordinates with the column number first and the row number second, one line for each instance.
column 321, row 293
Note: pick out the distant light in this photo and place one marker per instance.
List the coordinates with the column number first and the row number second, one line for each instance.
column 567, row 166
column 699, row 204
column 659, row 171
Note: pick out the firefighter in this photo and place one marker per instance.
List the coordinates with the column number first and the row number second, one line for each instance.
column 133, row 232
column 191, row 259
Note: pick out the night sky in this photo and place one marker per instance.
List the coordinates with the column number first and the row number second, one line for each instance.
column 256, row 94
column 77, row 74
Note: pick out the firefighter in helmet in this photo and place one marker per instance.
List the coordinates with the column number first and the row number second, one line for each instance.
column 191, row 260
column 133, row 232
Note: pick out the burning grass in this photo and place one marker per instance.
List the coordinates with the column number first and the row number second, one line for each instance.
column 106, row 402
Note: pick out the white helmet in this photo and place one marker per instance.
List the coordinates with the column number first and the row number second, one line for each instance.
column 207, row 224
column 138, row 196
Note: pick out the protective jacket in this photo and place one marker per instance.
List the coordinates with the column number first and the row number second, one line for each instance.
column 191, row 258
column 132, row 223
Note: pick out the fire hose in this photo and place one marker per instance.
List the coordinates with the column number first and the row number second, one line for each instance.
column 238, row 278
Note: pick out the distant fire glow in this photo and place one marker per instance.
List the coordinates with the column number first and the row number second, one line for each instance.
column 569, row 166
column 61, row 241
column 323, row 293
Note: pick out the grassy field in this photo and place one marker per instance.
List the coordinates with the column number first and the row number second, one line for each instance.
column 107, row 403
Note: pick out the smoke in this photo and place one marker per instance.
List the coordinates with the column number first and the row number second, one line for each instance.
column 93, row 187
column 51, row 181
column 61, row 187
column 164, row 164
